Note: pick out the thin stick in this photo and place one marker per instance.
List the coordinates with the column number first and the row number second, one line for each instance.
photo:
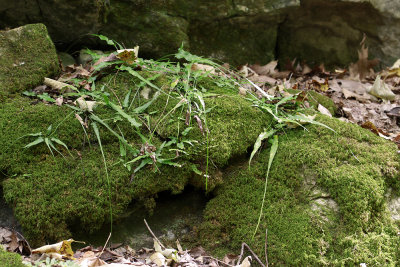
column 224, row 263
column 244, row 245
column 266, row 242
column 104, row 245
column 151, row 232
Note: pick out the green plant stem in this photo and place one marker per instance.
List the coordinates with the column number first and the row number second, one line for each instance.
column 272, row 153
column 96, row 131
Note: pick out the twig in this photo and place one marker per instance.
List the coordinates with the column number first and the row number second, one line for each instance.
column 109, row 236
column 218, row 261
column 244, row 245
column 151, row 232
column 265, row 247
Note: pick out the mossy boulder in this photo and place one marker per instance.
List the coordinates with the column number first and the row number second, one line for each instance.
column 325, row 192
column 27, row 56
column 53, row 195
column 8, row 259
column 325, row 200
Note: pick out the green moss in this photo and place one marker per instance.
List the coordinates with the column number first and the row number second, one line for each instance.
column 18, row 117
column 315, row 98
column 51, row 195
column 353, row 166
column 155, row 31
column 8, row 259
column 232, row 121
column 28, row 55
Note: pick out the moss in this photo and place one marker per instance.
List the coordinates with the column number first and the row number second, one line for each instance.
column 354, row 166
column 232, row 121
column 315, row 98
column 28, row 55
column 51, row 195
column 18, row 117
column 8, row 259
column 156, row 32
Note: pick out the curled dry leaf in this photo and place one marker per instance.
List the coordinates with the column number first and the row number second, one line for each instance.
column 59, row 101
column 203, row 68
column 158, row 258
column 245, row 262
column 128, row 55
column 324, row 110
column 86, row 105
column 381, row 90
column 265, row 69
column 63, row 248
column 63, row 87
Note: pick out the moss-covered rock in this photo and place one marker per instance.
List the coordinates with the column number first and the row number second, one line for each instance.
column 8, row 259
column 315, row 99
column 27, row 56
column 53, row 194
column 233, row 123
column 158, row 33
column 351, row 167
column 325, row 193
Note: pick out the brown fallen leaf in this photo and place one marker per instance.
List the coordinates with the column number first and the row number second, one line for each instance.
column 265, row 69
column 363, row 66
column 13, row 245
column 203, row 68
column 262, row 79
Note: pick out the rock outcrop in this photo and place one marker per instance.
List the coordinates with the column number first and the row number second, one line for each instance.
column 331, row 196
column 315, row 31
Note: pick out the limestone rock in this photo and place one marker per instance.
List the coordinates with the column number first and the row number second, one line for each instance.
column 238, row 32
column 27, row 56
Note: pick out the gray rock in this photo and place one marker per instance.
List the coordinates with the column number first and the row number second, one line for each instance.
column 393, row 205
column 66, row 59
column 242, row 31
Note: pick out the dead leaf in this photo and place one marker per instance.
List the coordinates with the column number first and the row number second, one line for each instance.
column 363, row 66
column 13, row 245
column 245, row 262
column 324, row 110
column 262, row 79
column 109, row 58
column 178, row 246
column 265, row 69
column 381, row 90
column 128, row 55
column 62, row 87
column 59, row 101
column 86, row 105
column 230, row 259
column 158, row 258
column 203, row 68
column 63, row 248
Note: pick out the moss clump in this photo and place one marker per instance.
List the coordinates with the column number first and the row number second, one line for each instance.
column 18, row 117
column 8, row 259
column 27, row 56
column 353, row 166
column 315, row 98
column 53, row 196
column 232, row 122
